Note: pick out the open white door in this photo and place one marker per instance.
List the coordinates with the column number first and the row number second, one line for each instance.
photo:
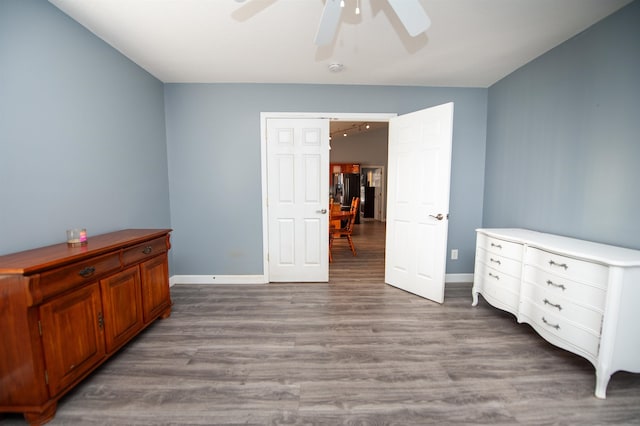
column 418, row 201
column 298, row 199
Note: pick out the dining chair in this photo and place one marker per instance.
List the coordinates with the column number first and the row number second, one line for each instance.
column 334, row 208
column 347, row 230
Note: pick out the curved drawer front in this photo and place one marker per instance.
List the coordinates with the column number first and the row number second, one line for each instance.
column 63, row 278
column 500, row 263
column 500, row 279
column 497, row 285
column 563, row 266
column 580, row 293
column 548, row 323
column 500, row 247
column 144, row 251
column 557, row 305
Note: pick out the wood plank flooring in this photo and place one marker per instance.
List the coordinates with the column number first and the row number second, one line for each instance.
column 351, row 352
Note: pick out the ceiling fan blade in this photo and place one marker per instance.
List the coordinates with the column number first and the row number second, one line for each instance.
column 412, row 15
column 328, row 22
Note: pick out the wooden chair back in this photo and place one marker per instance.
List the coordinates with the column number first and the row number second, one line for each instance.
column 347, row 230
column 355, row 202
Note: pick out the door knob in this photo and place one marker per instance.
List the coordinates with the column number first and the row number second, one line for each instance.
column 323, row 211
column 439, row 216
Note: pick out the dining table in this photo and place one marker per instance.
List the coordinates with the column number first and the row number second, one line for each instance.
column 336, row 217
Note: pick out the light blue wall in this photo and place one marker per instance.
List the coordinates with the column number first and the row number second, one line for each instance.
column 82, row 134
column 213, row 139
column 82, row 143
column 563, row 138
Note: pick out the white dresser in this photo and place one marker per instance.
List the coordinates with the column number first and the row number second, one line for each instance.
column 581, row 296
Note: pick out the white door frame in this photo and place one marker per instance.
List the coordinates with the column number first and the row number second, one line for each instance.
column 264, row 116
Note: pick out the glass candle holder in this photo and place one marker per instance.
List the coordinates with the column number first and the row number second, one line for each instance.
column 77, row 237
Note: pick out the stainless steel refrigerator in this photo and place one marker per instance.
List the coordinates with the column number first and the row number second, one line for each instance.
column 344, row 187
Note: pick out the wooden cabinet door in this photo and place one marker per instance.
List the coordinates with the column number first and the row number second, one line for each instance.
column 122, row 307
column 72, row 336
column 155, row 286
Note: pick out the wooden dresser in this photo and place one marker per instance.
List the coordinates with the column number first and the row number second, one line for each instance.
column 65, row 310
column 578, row 295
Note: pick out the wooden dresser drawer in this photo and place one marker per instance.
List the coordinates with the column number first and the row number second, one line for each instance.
column 564, row 266
column 60, row 279
column 144, row 251
column 562, row 307
column 556, row 325
column 588, row 295
column 500, row 247
column 500, row 263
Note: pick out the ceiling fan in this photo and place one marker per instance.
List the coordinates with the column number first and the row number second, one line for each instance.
column 410, row 13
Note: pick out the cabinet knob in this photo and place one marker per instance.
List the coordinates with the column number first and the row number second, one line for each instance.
column 147, row 250
column 87, row 272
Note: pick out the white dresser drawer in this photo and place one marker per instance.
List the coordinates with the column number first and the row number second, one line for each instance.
column 562, row 307
column 500, row 247
column 577, row 270
column 500, row 263
column 556, row 325
column 583, row 294
column 498, row 288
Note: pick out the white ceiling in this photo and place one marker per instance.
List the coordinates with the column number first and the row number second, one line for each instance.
column 471, row 43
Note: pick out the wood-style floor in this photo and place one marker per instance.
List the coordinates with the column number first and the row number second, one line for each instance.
column 351, row 352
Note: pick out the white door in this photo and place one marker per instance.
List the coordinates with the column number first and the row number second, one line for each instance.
column 298, row 199
column 418, row 201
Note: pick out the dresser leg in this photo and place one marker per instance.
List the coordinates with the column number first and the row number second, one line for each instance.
column 474, row 295
column 602, row 380
column 40, row 418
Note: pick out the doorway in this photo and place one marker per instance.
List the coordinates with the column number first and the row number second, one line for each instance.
column 418, row 202
column 361, row 146
column 331, row 118
column 374, row 193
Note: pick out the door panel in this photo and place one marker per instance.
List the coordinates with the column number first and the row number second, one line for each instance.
column 156, row 296
column 72, row 336
column 298, row 199
column 122, row 307
column 418, row 182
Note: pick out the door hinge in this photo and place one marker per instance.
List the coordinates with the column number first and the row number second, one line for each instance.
column 46, row 377
column 40, row 327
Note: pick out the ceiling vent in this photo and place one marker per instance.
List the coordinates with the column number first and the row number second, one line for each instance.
column 336, row 67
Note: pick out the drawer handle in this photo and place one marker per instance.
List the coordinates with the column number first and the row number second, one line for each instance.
column 147, row 250
column 556, row 326
column 560, row 286
column 87, row 272
column 495, row 261
column 496, row 245
column 559, row 265
column 494, row 276
column 546, row 302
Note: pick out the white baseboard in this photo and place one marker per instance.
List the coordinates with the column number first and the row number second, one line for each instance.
column 261, row 279
column 217, row 279
column 458, row 278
